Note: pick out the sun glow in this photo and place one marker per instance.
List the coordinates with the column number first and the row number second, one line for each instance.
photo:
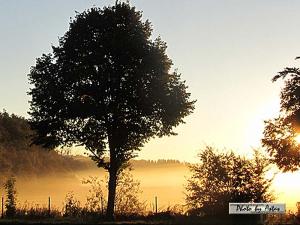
column 297, row 139
column 255, row 129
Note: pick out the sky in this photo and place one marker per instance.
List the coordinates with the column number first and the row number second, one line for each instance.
column 227, row 51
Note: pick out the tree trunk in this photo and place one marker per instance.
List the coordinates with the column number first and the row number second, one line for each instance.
column 112, row 184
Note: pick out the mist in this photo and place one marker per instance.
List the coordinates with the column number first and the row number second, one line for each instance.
column 164, row 179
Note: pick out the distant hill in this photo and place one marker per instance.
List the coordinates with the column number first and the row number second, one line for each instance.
column 19, row 158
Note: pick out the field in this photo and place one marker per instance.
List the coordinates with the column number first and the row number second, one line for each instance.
column 164, row 180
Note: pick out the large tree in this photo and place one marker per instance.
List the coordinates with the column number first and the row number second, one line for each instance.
column 280, row 134
column 108, row 87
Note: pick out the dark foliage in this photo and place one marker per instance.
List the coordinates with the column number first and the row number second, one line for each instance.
column 14, row 132
column 108, row 87
column 36, row 212
column 72, row 206
column 280, row 132
column 19, row 158
column 221, row 178
column 11, row 199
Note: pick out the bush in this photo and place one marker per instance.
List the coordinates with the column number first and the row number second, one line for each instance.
column 95, row 201
column 127, row 202
column 72, row 206
column 127, row 195
column 11, row 199
column 221, row 178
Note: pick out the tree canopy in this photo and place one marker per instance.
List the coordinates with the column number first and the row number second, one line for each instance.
column 220, row 178
column 280, row 134
column 14, row 132
column 108, row 87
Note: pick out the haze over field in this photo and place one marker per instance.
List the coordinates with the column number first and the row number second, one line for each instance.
column 166, row 180
column 163, row 179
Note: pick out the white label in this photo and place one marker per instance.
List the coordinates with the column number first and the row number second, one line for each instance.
column 256, row 208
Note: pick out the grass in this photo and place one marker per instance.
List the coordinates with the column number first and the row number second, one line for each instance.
column 147, row 221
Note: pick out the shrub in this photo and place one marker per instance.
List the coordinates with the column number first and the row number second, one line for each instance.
column 221, row 178
column 72, row 206
column 11, row 199
column 127, row 195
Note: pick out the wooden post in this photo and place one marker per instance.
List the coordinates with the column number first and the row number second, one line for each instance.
column 155, row 204
column 2, row 207
column 102, row 206
column 49, row 205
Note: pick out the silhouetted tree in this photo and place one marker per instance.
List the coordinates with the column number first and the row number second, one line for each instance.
column 14, row 132
column 108, row 87
column 11, row 201
column 128, row 194
column 72, row 206
column 280, row 133
column 220, row 178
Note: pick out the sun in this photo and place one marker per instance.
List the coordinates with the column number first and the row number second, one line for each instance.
column 297, row 138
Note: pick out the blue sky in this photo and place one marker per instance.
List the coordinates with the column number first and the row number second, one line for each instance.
column 226, row 50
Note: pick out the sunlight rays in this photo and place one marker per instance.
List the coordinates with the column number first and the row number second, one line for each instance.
column 297, row 139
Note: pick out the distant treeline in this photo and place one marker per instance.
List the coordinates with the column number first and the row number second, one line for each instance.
column 157, row 163
column 19, row 157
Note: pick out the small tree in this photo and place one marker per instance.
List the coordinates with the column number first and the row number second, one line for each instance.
column 127, row 194
column 108, row 87
column 96, row 198
column 11, row 200
column 72, row 205
column 220, row 178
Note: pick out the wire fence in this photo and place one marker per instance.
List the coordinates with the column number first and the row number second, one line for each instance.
column 47, row 207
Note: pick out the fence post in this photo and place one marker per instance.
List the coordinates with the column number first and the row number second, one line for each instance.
column 2, row 207
column 102, row 205
column 49, row 205
column 155, row 204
